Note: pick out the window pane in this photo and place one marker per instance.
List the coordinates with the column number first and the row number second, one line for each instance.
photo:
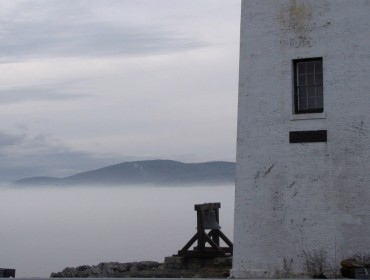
column 310, row 79
column 319, row 91
column 310, row 67
column 318, row 66
column 319, row 102
column 301, row 68
column 302, row 103
column 302, row 80
column 311, row 92
column 311, row 103
column 302, row 92
column 318, row 79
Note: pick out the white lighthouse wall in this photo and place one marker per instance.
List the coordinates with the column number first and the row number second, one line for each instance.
column 310, row 197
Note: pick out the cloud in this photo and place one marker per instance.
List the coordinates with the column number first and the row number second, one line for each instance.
column 54, row 29
column 7, row 139
column 52, row 92
column 25, row 155
column 92, row 73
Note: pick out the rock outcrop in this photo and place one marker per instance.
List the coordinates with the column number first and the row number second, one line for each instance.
column 108, row 269
column 173, row 267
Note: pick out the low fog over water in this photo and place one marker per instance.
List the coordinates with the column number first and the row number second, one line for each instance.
column 44, row 230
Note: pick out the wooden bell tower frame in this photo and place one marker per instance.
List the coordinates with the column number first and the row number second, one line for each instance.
column 212, row 238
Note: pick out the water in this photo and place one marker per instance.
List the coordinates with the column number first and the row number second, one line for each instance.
column 44, row 230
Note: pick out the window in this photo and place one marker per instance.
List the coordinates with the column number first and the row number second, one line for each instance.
column 308, row 86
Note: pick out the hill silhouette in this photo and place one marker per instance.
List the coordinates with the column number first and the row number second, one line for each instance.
column 154, row 172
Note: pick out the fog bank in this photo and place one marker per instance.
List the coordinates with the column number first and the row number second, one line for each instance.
column 47, row 229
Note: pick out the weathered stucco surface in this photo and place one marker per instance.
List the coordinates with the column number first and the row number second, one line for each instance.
column 314, row 196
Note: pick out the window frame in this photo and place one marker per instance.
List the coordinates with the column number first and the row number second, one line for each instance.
column 296, row 87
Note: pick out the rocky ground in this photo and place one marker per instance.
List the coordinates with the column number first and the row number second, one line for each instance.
column 173, row 267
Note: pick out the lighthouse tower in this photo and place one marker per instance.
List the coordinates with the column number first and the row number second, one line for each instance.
column 303, row 147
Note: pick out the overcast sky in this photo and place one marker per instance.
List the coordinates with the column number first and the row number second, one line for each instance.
column 88, row 83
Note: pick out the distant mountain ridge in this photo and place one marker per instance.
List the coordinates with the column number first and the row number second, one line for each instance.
column 155, row 172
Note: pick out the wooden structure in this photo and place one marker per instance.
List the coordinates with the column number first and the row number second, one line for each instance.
column 208, row 243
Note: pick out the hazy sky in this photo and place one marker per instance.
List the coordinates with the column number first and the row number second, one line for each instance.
column 87, row 83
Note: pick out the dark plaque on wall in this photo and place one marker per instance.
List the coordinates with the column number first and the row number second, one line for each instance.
column 310, row 136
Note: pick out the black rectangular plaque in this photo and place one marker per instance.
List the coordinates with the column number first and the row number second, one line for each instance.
column 310, row 136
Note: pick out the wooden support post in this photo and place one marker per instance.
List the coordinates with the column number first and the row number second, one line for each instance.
column 207, row 218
